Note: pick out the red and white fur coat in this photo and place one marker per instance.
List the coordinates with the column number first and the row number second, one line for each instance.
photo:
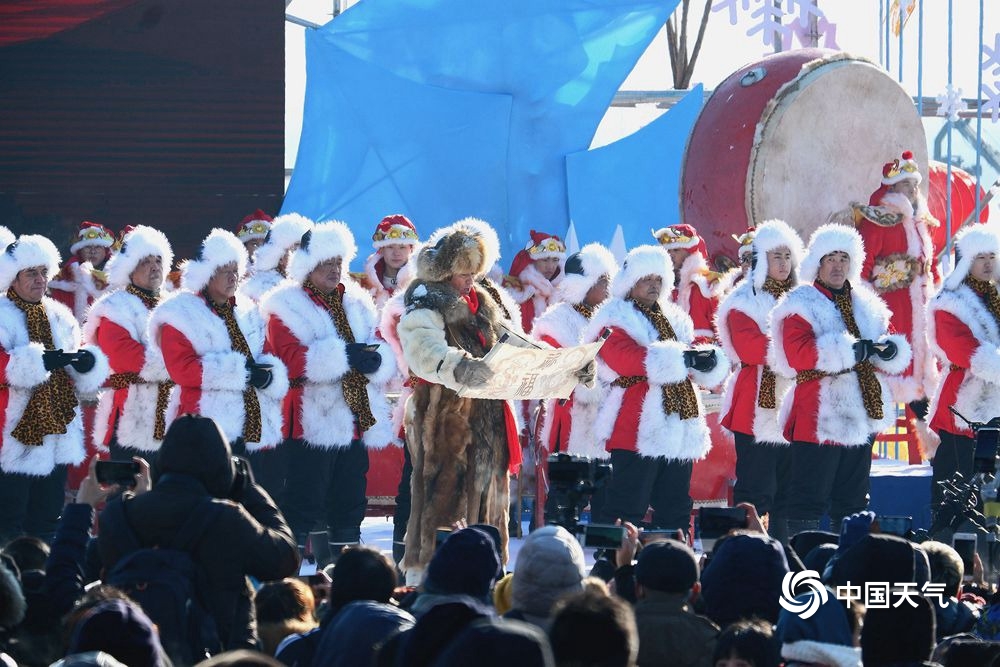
column 697, row 295
column 22, row 370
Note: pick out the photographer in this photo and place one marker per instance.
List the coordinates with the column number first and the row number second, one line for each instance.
column 246, row 537
column 964, row 333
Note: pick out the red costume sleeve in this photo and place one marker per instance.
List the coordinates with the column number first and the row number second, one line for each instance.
column 285, row 346
column 125, row 354
column 955, row 338
column 622, row 354
column 799, row 343
column 747, row 339
column 182, row 362
column 873, row 246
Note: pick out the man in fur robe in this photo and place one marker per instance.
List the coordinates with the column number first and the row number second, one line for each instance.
column 131, row 419
column 832, row 335
column 211, row 341
column 271, row 259
column 42, row 367
column 695, row 287
column 82, row 278
column 323, row 329
column 534, row 274
column 900, row 266
column 462, row 448
column 753, row 393
column 964, row 326
column 653, row 422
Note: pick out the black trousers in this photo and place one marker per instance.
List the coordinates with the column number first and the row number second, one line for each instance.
column 762, row 472
column 325, row 489
column 638, row 482
column 830, row 479
column 956, row 453
column 31, row 505
column 402, row 512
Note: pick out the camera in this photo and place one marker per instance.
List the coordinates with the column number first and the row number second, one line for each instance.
column 572, row 481
column 121, row 473
column 715, row 522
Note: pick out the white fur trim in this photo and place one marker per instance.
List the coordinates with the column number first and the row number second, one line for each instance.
column 388, row 329
column 286, row 230
column 6, row 238
column 642, row 261
column 138, row 244
column 326, row 359
column 820, row 653
column 89, row 383
column 218, row 249
column 771, row 235
column 25, row 368
column 561, row 323
column 597, row 261
column 835, row 351
column 29, row 250
column 665, row 362
column 404, row 277
column 829, row 238
column 260, row 283
column 969, row 242
column 481, row 228
column 714, row 377
column 897, row 364
column 328, row 240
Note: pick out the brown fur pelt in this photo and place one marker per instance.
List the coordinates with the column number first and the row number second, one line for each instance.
column 458, row 445
column 462, row 251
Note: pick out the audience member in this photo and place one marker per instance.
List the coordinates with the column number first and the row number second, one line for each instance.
column 120, row 628
column 284, row 608
column 494, row 642
column 549, row 565
column 729, row 593
column 359, row 629
column 947, row 568
column 747, row 643
column 592, row 629
column 829, row 637
column 899, row 636
column 666, row 579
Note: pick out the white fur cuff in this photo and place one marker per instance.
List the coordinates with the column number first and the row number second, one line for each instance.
column 225, row 371
column 326, row 360
column 985, row 363
column 387, row 369
column 25, row 368
column 714, row 377
column 153, row 368
column 279, row 377
column 665, row 362
column 902, row 359
column 835, row 352
column 90, row 382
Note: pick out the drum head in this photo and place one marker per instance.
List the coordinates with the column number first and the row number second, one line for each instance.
column 822, row 141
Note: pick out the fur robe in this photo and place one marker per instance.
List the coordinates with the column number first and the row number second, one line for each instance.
column 459, row 445
column 22, row 371
column 808, row 333
column 119, row 320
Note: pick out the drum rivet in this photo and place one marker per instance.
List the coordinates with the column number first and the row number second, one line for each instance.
column 753, row 76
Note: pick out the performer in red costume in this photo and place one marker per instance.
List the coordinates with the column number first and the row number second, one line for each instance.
column 832, row 335
column 252, row 231
column 753, row 393
column 82, row 278
column 534, row 274
column 964, row 330
column 271, row 259
column 131, row 418
column 901, row 268
column 695, row 287
column 387, row 270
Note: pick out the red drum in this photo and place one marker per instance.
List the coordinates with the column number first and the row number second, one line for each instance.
column 797, row 136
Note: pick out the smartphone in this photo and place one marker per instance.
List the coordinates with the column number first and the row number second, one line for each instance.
column 965, row 544
column 121, row 473
column 987, row 440
column 650, row 536
column 603, row 536
column 896, row 525
column 715, row 522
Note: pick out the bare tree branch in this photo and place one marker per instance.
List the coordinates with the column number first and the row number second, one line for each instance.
column 681, row 63
column 689, row 71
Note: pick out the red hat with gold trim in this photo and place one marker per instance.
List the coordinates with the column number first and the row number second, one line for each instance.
column 541, row 246
column 681, row 235
column 900, row 169
column 92, row 233
column 395, row 229
column 254, row 226
column 745, row 241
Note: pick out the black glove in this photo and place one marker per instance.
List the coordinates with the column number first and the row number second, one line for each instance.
column 242, row 480
column 887, row 351
column 863, row 349
column 83, row 361
column 700, row 360
column 53, row 359
column 473, row 372
column 363, row 358
column 260, row 375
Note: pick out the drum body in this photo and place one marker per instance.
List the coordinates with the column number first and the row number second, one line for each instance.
column 798, row 136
